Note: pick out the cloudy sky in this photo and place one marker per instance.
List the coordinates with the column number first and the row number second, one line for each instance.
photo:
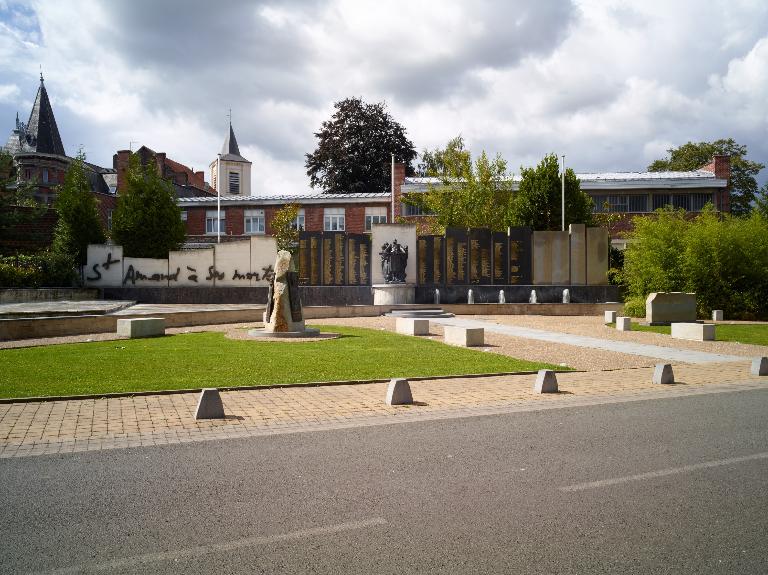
column 609, row 83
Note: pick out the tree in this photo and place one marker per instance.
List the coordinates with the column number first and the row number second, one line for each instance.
column 284, row 227
column 538, row 202
column 470, row 194
column 79, row 223
column 692, row 156
column 354, row 149
column 761, row 201
column 147, row 220
column 17, row 203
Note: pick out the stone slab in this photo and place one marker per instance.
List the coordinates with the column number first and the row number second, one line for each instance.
column 693, row 331
column 598, row 244
column 624, row 323
column 610, row 316
column 717, row 315
column 399, row 392
column 141, row 327
column 551, row 258
column 578, row 239
column 394, row 294
column 412, row 326
column 663, row 374
column 669, row 307
column 209, row 405
column 464, row 336
column 546, row 381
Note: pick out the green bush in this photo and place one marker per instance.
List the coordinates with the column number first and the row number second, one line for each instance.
column 634, row 307
column 46, row 269
column 723, row 259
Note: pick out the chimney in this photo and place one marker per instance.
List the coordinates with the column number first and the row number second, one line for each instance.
column 200, row 179
column 120, row 164
column 721, row 167
column 399, row 181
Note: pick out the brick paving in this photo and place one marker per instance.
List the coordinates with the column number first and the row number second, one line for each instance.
column 40, row 428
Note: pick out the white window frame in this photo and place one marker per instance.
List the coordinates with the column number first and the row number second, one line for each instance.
column 254, row 222
column 300, row 222
column 210, row 222
column 183, row 215
column 334, row 220
column 375, row 215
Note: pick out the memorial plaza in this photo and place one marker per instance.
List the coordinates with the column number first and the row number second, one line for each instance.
column 610, row 366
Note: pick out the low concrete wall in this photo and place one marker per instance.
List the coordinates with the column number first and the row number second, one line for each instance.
column 27, row 295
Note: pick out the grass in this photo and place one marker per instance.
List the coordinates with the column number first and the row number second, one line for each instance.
column 755, row 334
column 210, row 360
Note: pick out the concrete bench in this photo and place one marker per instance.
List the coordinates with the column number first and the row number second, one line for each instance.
column 694, row 331
column 610, row 317
column 624, row 323
column 141, row 327
column 412, row 326
column 464, row 336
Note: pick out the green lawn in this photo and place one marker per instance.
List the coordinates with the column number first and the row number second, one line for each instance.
column 755, row 334
column 210, row 360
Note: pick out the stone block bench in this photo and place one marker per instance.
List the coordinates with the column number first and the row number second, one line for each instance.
column 141, row 327
column 694, row 331
column 412, row 326
column 464, row 336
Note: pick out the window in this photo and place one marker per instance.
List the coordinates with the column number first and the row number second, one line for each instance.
column 210, row 222
column 660, row 200
column 408, row 210
column 27, row 174
column 45, row 175
column 681, row 201
column 698, row 201
column 254, row 221
column 376, row 215
column 333, row 219
column 298, row 223
column 183, row 215
column 638, row 203
column 234, row 183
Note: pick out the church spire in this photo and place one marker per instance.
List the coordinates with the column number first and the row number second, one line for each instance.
column 230, row 150
column 42, row 133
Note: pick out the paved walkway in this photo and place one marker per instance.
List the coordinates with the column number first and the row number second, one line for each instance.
column 659, row 352
column 40, row 428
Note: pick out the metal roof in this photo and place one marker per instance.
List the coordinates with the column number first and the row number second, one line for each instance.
column 311, row 198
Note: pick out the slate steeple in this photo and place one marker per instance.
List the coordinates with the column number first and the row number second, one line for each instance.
column 230, row 150
column 41, row 133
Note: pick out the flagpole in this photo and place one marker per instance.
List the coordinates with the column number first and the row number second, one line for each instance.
column 218, row 199
column 562, row 194
column 392, row 185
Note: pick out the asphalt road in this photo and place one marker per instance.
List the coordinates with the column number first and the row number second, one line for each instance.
column 664, row 486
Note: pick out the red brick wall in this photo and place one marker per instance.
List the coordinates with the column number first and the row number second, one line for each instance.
column 30, row 236
column 195, row 221
column 721, row 167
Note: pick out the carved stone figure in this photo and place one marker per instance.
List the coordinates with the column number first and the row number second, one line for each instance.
column 284, row 305
column 394, row 259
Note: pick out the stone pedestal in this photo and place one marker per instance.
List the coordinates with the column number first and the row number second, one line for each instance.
column 393, row 294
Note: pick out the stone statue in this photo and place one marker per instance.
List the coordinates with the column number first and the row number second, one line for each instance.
column 284, row 304
column 394, row 259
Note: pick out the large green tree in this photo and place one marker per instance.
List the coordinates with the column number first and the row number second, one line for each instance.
column 79, row 223
column 354, row 149
column 694, row 155
column 470, row 194
column 147, row 221
column 538, row 201
column 761, row 201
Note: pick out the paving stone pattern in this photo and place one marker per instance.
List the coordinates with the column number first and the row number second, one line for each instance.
column 39, row 428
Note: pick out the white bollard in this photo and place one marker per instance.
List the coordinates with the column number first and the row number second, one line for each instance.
column 209, row 406
column 546, row 381
column 610, row 317
column 470, row 297
column 662, row 374
column 399, row 392
column 502, row 298
column 624, row 323
column 717, row 315
column 759, row 366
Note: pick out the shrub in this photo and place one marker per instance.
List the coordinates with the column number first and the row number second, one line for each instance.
column 723, row 259
column 634, row 307
column 47, row 269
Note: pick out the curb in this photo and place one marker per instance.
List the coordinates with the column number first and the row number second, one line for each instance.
column 41, row 399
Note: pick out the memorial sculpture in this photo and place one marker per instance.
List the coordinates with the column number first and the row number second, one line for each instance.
column 394, row 258
column 284, row 317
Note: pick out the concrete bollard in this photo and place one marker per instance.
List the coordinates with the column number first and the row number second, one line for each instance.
column 399, row 392
column 412, row 326
column 610, row 317
column 437, row 296
column 662, row 374
column 470, row 297
column 209, row 406
column 502, row 298
column 624, row 323
column 566, row 296
column 759, row 366
column 546, row 381
column 717, row 315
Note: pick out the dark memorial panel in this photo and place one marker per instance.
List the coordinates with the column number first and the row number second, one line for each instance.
column 429, row 260
column 480, row 256
column 456, row 244
column 520, row 255
column 500, row 258
column 358, row 259
column 310, row 258
column 334, row 258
